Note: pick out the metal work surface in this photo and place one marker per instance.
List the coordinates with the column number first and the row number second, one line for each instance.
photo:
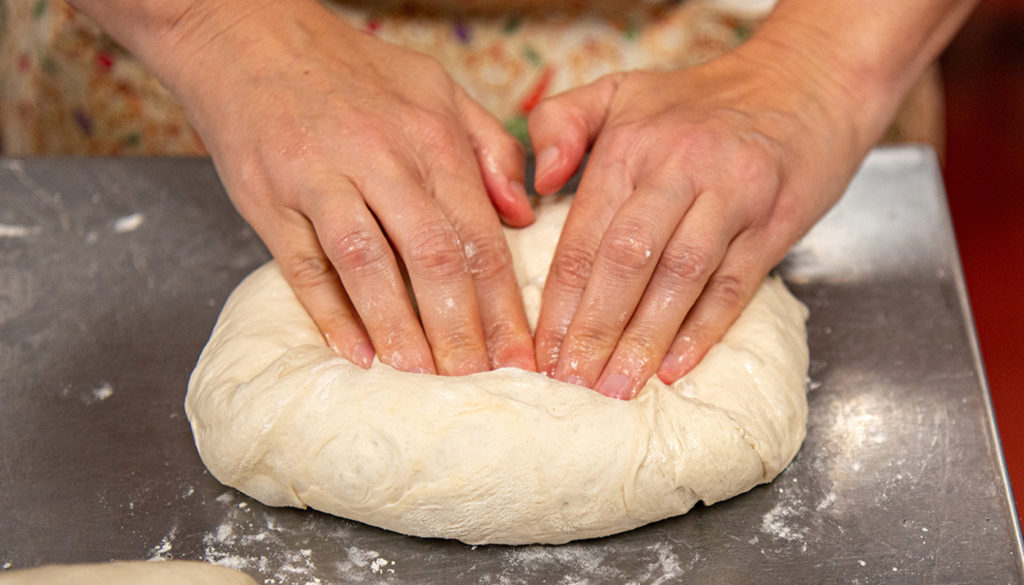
column 112, row 273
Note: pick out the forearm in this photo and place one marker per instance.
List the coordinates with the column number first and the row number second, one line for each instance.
column 183, row 41
column 862, row 57
column 144, row 27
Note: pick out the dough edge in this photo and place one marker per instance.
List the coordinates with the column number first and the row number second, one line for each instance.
column 501, row 457
column 127, row 573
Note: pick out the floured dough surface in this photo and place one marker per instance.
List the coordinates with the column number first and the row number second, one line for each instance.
column 128, row 573
column 506, row 456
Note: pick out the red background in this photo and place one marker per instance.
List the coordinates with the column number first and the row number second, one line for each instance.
column 984, row 173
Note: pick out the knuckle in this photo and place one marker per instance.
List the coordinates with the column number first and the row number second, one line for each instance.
column 306, row 272
column 756, row 169
column 501, row 334
column 639, row 345
column 729, row 289
column 459, row 350
column 688, row 265
column 457, row 339
column 390, row 334
column 394, row 335
column 702, row 138
column 588, row 338
column 630, row 247
column 487, row 258
column 356, row 249
column 438, row 135
column 437, row 129
column 376, row 139
column 250, row 182
column 434, row 250
column 572, row 266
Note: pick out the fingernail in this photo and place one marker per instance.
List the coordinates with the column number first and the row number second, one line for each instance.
column 330, row 343
column 362, row 354
column 617, row 386
column 576, row 380
column 546, row 160
column 521, row 362
column 673, row 367
column 518, row 189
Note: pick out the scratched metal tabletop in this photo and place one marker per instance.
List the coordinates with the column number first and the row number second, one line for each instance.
column 112, row 273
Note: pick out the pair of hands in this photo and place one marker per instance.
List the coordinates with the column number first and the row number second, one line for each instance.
column 355, row 160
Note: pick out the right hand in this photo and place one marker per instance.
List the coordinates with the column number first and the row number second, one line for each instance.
column 351, row 157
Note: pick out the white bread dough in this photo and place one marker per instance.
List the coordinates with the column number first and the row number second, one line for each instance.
column 506, row 456
column 128, row 573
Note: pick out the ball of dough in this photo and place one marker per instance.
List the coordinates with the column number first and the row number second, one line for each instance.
column 128, row 573
column 505, row 456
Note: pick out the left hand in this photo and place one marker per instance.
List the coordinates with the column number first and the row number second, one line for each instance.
column 698, row 183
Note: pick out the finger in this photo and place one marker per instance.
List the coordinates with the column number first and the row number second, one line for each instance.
column 316, row 284
column 691, row 256
column 501, row 160
column 602, row 187
column 506, row 331
column 564, row 126
column 358, row 251
column 433, row 254
column 727, row 293
column 626, row 258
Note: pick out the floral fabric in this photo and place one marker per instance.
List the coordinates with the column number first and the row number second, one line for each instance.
column 69, row 89
column 66, row 88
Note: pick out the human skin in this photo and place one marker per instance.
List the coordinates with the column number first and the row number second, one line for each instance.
column 351, row 158
column 700, row 180
column 354, row 160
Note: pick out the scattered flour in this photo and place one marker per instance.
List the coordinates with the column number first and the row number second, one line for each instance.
column 91, row 395
column 128, row 223
column 776, row 523
column 162, row 551
column 283, row 547
column 257, row 542
column 585, row 563
column 103, row 391
column 18, row 231
column 380, row 565
column 826, row 501
column 788, row 519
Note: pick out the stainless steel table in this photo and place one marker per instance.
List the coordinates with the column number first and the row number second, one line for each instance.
column 112, row 273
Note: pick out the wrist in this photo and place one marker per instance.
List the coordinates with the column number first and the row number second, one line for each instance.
column 221, row 58
column 214, row 41
column 146, row 28
column 862, row 57
column 827, row 90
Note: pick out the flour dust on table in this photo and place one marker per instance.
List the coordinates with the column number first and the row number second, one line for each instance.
column 128, row 573
column 506, row 456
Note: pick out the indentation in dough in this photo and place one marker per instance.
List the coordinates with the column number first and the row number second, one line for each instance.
column 505, row 456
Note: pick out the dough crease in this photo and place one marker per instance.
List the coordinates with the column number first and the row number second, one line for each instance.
column 506, row 456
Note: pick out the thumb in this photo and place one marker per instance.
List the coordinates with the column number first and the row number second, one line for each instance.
column 564, row 126
column 501, row 160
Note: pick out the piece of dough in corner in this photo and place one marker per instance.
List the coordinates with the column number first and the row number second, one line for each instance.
column 128, row 573
column 506, row 456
